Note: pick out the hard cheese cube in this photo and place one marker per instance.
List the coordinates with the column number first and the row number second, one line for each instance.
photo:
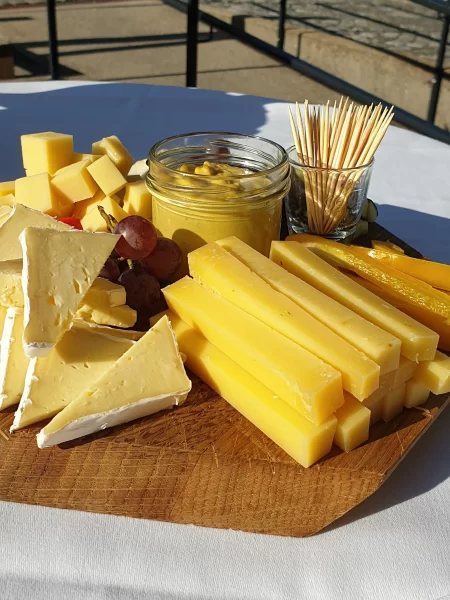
column 305, row 442
column 104, row 314
column 353, row 421
column 374, row 404
column 392, row 404
column 138, row 200
column 80, row 209
column 79, row 156
column 46, row 152
column 93, row 221
column 74, row 182
column 7, row 187
column 416, row 393
column 8, row 200
column 37, row 192
column 107, row 176
column 435, row 374
column 116, row 151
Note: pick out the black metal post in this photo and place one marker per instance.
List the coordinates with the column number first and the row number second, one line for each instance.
column 192, row 41
column 434, row 98
column 52, row 39
column 282, row 24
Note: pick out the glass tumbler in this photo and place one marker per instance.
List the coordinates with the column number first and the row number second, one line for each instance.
column 326, row 202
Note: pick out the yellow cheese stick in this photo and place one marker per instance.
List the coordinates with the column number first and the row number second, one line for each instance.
column 222, row 273
column 375, row 405
column 297, row 376
column 416, row 393
column 405, row 371
column 382, row 347
column 392, row 404
column 435, row 374
column 418, row 341
column 353, row 421
column 304, row 442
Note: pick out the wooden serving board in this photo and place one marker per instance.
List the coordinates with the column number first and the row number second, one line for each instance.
column 205, row 464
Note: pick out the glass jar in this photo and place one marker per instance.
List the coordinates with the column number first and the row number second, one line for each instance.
column 208, row 186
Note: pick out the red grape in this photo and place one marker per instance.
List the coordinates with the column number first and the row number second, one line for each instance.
column 110, row 270
column 165, row 259
column 143, row 290
column 138, row 237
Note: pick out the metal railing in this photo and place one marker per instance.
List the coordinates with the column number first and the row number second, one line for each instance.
column 194, row 15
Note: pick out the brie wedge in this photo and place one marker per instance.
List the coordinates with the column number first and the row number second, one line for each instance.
column 58, row 269
column 75, row 363
column 19, row 218
column 11, row 293
column 13, row 362
column 148, row 378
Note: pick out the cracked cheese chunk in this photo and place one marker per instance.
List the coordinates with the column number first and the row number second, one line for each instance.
column 75, row 363
column 58, row 269
column 13, row 361
column 148, row 378
column 301, row 379
column 382, row 347
column 19, row 218
column 418, row 342
column 222, row 273
column 304, row 442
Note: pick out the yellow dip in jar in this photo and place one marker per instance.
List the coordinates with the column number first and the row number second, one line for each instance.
column 208, row 186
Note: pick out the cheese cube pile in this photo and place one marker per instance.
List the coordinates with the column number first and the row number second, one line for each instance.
column 63, row 183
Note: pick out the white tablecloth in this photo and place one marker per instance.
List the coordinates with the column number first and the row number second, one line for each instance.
column 395, row 546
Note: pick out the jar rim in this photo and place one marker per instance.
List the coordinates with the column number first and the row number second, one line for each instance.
column 334, row 170
column 247, row 176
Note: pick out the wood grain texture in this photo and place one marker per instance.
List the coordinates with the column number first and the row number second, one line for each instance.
column 204, row 464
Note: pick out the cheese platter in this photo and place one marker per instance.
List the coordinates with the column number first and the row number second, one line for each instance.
column 164, row 356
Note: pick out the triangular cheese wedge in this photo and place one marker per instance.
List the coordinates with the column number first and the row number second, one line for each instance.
column 19, row 218
column 13, row 362
column 148, row 378
column 75, row 363
column 58, row 269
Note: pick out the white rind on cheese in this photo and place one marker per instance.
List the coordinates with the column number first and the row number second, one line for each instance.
column 5, row 347
column 78, row 257
column 25, row 400
column 118, row 416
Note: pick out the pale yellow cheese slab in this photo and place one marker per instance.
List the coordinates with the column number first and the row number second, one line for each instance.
column 76, row 362
column 375, row 405
column 304, row 442
column 416, row 393
column 7, row 187
column 46, row 152
column 128, row 334
column 148, row 378
column 5, row 212
column 13, row 361
column 374, row 342
column 353, row 422
column 392, row 404
column 435, row 374
column 104, row 314
column 304, row 381
column 103, row 291
column 224, row 274
column 7, row 200
column 418, row 341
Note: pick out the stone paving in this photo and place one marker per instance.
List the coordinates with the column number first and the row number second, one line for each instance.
column 400, row 26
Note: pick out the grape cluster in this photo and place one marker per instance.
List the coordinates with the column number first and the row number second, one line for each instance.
column 142, row 262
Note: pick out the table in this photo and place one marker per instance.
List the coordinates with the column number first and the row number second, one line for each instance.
column 392, row 547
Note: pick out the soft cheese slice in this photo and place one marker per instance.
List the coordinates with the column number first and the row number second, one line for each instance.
column 5, row 212
column 304, row 442
column 11, row 293
column 418, row 342
column 301, row 379
column 382, row 347
column 13, row 362
column 148, row 378
column 128, row 334
column 104, row 314
column 75, row 363
column 105, row 291
column 222, row 273
column 20, row 218
column 58, row 269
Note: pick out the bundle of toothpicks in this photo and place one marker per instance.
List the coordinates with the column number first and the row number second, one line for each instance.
column 331, row 145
